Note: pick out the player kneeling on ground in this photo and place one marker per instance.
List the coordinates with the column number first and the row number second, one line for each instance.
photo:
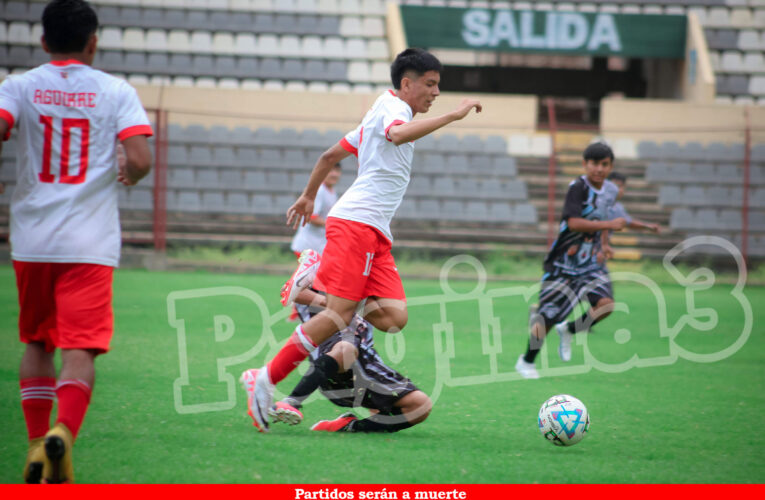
column 350, row 373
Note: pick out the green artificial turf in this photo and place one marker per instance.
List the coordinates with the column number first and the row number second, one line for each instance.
column 664, row 408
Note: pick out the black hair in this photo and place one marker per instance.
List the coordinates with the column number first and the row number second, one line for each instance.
column 617, row 176
column 68, row 25
column 598, row 151
column 416, row 60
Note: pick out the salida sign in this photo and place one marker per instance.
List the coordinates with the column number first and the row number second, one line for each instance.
column 652, row 36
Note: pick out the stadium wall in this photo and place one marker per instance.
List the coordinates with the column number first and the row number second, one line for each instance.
column 680, row 121
column 502, row 115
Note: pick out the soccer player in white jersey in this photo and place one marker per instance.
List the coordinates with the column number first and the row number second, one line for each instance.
column 357, row 263
column 65, row 232
column 312, row 235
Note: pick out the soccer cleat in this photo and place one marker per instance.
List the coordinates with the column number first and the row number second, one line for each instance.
column 564, row 348
column 285, row 412
column 527, row 370
column 337, row 425
column 57, row 464
column 260, row 393
column 35, row 458
column 302, row 278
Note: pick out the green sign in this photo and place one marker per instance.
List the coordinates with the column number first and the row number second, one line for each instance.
column 553, row 32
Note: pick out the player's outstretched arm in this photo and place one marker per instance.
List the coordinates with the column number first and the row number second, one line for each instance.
column 411, row 131
column 300, row 212
column 581, row 225
column 137, row 161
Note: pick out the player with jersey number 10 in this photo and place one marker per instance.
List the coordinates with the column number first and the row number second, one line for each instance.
column 65, row 231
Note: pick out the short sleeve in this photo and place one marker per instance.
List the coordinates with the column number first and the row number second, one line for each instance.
column 575, row 197
column 352, row 140
column 396, row 112
column 9, row 104
column 131, row 117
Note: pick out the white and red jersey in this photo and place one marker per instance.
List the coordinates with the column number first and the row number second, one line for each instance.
column 384, row 168
column 64, row 205
column 311, row 236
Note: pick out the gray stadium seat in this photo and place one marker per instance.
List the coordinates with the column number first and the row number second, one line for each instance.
column 213, row 201
column 315, row 70
column 525, row 213
column 311, row 138
column 443, row 186
column 223, row 156
column 649, row 149
column 180, row 64
column 472, row 144
column 254, row 180
column 270, row 157
column 231, row 178
column 516, row 190
column 694, row 196
column 470, row 188
column 504, row 165
column 247, row 67
column 407, row 210
column 180, row 177
column 693, row 151
column 246, row 157
column 448, row 143
column 476, row 211
column 730, row 220
column 277, row 180
column 157, row 63
column 108, row 61
column 420, row 185
column 203, row 65
column 238, row 203
column 500, row 212
column 187, row 201
column 496, row 144
column 177, row 155
column 294, row 158
column 241, row 135
column 134, row 62
column 425, row 144
column 140, row 199
column 670, row 150
column 200, row 156
column 337, row 71
column 453, row 209
column 265, row 136
column 150, row 18
column 262, row 204
column 270, row 68
column 480, row 164
column 429, row 209
column 457, row 163
column 669, row 195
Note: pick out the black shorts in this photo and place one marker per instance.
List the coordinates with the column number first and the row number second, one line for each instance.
column 560, row 294
column 370, row 383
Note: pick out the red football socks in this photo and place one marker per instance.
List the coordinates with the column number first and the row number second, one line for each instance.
column 73, row 400
column 37, row 396
column 296, row 349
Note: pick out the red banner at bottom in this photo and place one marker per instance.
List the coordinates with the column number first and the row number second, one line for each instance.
column 380, row 491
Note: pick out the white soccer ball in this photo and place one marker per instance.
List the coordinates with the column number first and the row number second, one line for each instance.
column 564, row 420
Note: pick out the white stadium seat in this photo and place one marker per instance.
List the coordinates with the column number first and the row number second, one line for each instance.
column 351, row 26
column 156, row 40
column 133, row 39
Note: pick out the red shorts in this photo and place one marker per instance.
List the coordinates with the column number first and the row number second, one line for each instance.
column 65, row 305
column 357, row 262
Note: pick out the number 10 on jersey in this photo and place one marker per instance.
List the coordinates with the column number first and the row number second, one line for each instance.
column 67, row 124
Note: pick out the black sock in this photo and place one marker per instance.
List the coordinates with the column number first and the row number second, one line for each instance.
column 584, row 323
column 321, row 369
column 380, row 423
column 531, row 352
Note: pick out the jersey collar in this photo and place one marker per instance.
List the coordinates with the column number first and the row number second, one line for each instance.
column 66, row 62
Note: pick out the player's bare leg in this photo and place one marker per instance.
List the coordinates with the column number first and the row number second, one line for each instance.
column 387, row 315
column 37, row 374
column 415, row 406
